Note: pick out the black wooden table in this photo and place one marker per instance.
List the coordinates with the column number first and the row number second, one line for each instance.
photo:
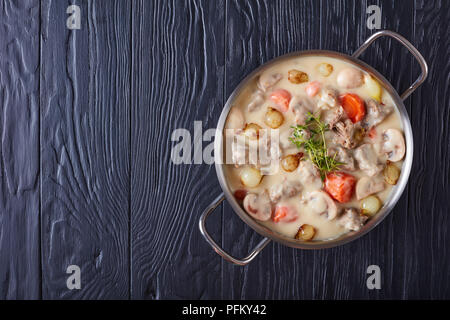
column 86, row 123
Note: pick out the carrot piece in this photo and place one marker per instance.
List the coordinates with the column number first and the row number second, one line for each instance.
column 280, row 213
column 372, row 133
column 353, row 106
column 340, row 186
column 284, row 214
column 312, row 88
column 240, row 194
column 281, row 98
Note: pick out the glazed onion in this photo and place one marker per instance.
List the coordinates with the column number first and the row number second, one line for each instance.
column 273, row 118
column 251, row 130
column 291, row 162
column 250, row 177
column 370, row 205
column 325, row 69
column 305, row 233
column 297, row 76
column 391, row 173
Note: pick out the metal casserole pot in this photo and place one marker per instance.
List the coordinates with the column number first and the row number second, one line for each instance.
column 395, row 193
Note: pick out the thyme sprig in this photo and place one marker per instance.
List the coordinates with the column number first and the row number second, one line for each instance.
column 311, row 137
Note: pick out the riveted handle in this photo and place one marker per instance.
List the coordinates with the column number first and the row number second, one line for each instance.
column 409, row 46
column 216, row 247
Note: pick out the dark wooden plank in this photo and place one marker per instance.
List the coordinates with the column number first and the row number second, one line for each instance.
column 19, row 153
column 85, row 125
column 338, row 273
column 178, row 74
column 428, row 234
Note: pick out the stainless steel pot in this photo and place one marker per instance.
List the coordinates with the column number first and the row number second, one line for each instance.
column 396, row 191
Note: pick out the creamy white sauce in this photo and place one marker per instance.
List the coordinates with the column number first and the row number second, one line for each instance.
column 325, row 229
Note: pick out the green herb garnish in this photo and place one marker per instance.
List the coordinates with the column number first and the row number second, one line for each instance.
column 311, row 137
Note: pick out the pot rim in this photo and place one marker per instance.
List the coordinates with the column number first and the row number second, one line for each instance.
column 396, row 191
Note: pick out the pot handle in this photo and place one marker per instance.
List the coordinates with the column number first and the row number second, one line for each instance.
column 216, row 247
column 409, row 46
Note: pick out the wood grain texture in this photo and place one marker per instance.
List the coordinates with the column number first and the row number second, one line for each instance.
column 19, row 153
column 428, row 222
column 178, row 74
column 85, row 125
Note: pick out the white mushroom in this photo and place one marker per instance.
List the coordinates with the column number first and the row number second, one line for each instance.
column 350, row 78
column 367, row 186
column 268, row 80
column 393, row 145
column 321, row 203
column 258, row 206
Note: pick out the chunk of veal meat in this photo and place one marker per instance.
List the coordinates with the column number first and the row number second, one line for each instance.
column 375, row 114
column 239, row 148
column 309, row 176
column 269, row 153
column 367, row 186
column 343, row 156
column 268, row 80
column 285, row 143
column 235, row 119
column 367, row 159
column 333, row 116
column 344, row 132
column 263, row 153
column 328, row 99
column 300, row 106
column 352, row 220
column 256, row 100
column 285, row 189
